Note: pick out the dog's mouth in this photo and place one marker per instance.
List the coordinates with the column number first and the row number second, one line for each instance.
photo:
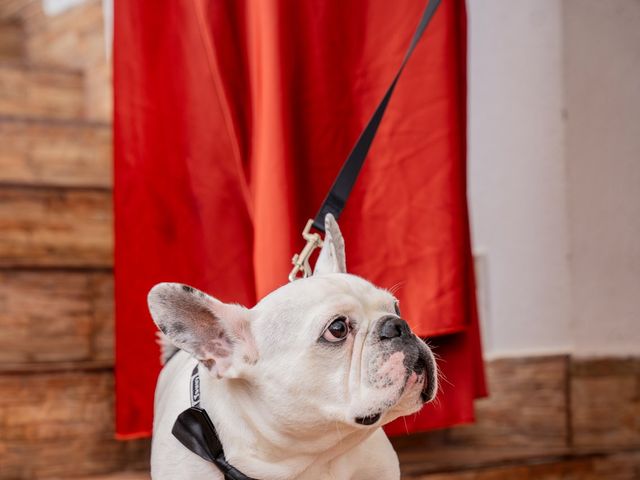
column 426, row 395
column 426, row 365
column 369, row 419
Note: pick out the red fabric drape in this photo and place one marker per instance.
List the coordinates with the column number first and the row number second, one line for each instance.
column 232, row 119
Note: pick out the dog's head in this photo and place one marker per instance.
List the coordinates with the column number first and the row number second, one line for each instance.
column 320, row 350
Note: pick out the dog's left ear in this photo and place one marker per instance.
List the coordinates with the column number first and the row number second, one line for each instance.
column 332, row 258
column 217, row 334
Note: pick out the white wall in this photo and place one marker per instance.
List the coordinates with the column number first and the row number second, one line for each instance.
column 517, row 181
column 554, row 159
column 602, row 72
column 55, row 7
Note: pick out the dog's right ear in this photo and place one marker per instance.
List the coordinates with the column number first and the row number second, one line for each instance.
column 216, row 333
column 332, row 256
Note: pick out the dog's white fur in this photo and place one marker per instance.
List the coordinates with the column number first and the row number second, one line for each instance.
column 167, row 349
column 284, row 402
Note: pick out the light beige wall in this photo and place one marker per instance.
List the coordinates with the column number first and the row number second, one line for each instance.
column 517, row 174
column 602, row 95
column 554, row 184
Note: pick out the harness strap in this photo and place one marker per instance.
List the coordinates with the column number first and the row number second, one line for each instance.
column 194, row 429
column 339, row 193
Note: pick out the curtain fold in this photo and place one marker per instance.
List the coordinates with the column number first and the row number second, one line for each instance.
column 232, row 119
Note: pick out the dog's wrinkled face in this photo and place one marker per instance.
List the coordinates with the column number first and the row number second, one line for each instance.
column 339, row 338
column 329, row 349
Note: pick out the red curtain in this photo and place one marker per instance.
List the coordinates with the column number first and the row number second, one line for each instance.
column 232, row 119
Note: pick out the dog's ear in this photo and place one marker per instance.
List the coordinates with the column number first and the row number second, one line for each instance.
column 216, row 333
column 332, row 258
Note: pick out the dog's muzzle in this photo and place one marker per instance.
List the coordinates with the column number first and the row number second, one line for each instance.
column 394, row 328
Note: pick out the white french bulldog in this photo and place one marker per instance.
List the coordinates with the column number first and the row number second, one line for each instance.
column 298, row 386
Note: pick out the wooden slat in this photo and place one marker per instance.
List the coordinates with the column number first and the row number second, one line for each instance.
column 22, row 368
column 524, row 416
column 605, row 402
column 526, row 407
column 73, row 38
column 55, row 317
column 120, row 476
column 103, row 309
column 11, row 40
column 41, row 92
column 55, row 153
column 99, row 91
column 55, row 227
column 624, row 466
column 11, row 9
column 61, row 425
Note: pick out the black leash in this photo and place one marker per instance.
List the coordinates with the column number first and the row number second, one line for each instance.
column 338, row 195
column 193, row 428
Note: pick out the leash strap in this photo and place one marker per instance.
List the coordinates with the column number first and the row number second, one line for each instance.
column 194, row 429
column 337, row 197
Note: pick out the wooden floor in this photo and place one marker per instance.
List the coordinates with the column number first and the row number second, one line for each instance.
column 120, row 476
column 624, row 467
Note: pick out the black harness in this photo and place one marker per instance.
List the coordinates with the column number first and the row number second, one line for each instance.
column 194, row 428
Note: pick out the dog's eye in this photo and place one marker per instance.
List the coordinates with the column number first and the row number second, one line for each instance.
column 396, row 306
column 337, row 330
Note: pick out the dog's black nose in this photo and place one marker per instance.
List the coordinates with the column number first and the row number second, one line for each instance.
column 393, row 327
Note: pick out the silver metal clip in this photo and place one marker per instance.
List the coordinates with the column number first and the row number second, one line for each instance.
column 300, row 261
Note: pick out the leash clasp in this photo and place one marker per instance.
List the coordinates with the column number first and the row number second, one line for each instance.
column 300, row 261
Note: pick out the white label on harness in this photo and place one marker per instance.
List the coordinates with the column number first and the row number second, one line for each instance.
column 195, row 388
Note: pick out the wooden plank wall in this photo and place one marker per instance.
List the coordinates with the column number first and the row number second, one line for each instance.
column 548, row 417
column 56, row 308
